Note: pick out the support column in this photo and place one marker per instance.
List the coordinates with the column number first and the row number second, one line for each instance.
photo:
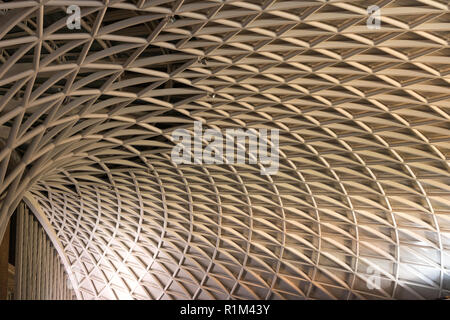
column 4, row 254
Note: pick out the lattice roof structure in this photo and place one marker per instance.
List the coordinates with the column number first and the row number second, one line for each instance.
column 363, row 187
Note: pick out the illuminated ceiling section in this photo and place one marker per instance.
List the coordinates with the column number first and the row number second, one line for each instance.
column 363, row 187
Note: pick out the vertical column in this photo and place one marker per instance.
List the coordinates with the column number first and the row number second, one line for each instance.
column 4, row 253
column 19, row 251
column 39, row 271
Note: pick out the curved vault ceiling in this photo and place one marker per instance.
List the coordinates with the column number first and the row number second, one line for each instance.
column 86, row 119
